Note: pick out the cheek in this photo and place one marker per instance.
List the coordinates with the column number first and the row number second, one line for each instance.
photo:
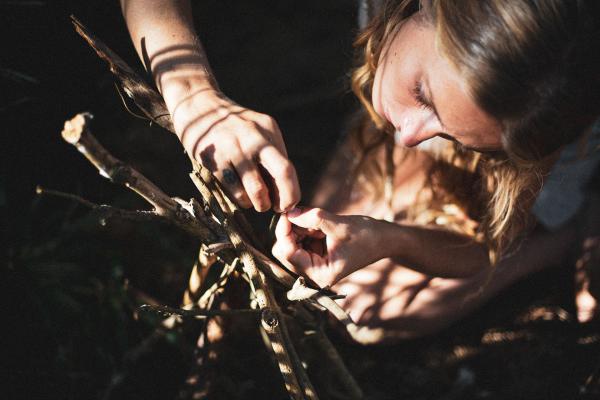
column 376, row 93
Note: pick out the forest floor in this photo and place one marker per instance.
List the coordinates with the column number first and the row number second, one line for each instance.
column 73, row 283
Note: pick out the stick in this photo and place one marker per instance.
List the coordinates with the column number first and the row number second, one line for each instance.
column 199, row 221
column 195, row 313
column 77, row 133
column 143, row 95
column 363, row 335
column 296, row 381
column 104, row 210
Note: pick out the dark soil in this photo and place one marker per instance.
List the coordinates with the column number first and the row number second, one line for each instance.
column 71, row 284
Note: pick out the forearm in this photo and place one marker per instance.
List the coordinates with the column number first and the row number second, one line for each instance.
column 223, row 136
column 164, row 37
column 433, row 251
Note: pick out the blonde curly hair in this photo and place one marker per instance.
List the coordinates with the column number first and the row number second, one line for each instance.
column 526, row 65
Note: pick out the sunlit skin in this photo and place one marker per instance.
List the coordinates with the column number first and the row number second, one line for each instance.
column 225, row 137
column 419, row 91
column 397, row 276
column 423, row 96
column 384, row 268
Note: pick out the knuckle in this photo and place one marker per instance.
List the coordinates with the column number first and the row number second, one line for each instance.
column 270, row 122
column 264, row 118
column 319, row 217
column 344, row 232
column 287, row 170
column 250, row 126
column 254, row 188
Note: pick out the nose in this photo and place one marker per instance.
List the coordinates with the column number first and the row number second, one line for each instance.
column 415, row 128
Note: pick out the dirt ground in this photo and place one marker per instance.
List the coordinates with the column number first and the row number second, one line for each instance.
column 72, row 284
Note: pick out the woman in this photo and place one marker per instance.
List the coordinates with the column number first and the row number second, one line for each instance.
column 508, row 83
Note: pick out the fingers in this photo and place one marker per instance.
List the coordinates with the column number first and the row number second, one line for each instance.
column 309, row 233
column 225, row 173
column 272, row 131
column 269, row 151
column 284, row 178
column 310, row 262
column 313, row 218
column 239, row 175
column 285, row 245
column 287, row 249
column 255, row 187
column 222, row 135
column 233, row 186
column 283, row 229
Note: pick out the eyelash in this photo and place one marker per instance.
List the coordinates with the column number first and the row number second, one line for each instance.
column 420, row 97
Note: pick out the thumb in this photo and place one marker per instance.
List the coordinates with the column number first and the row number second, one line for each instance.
column 313, row 218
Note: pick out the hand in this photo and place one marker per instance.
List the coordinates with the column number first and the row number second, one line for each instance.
column 243, row 148
column 326, row 247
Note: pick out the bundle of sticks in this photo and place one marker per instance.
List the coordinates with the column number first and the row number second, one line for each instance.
column 228, row 245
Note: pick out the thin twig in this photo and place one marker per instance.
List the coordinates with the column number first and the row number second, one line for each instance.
column 77, row 133
column 360, row 334
column 148, row 100
column 195, row 313
column 217, row 219
column 296, row 381
column 104, row 210
column 207, row 297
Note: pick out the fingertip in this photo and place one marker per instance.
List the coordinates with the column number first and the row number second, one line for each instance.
column 283, row 227
column 288, row 207
column 292, row 199
column 284, row 177
column 262, row 206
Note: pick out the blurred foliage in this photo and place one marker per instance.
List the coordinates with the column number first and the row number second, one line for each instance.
column 76, row 332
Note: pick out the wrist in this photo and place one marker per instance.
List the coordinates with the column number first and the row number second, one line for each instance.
column 390, row 239
column 178, row 87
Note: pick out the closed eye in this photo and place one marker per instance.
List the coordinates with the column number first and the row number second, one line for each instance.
column 471, row 148
column 448, row 137
column 420, row 97
column 425, row 102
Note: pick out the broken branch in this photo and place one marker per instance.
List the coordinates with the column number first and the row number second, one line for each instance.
column 77, row 133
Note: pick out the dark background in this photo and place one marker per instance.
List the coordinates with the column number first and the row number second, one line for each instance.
column 71, row 284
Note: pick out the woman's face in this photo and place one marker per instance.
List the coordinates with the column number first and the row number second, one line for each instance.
column 423, row 96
